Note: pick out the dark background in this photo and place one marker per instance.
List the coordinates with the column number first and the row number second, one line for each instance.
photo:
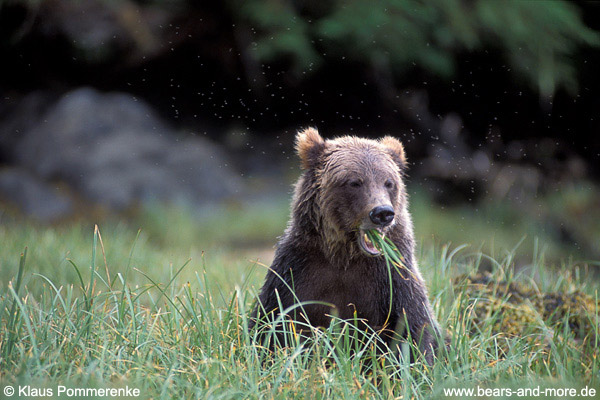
column 496, row 101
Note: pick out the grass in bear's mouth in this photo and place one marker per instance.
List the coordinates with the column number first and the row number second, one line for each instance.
column 387, row 248
column 394, row 260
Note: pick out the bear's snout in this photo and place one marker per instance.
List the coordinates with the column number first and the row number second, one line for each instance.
column 382, row 215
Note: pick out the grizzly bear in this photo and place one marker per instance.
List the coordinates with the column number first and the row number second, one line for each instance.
column 326, row 265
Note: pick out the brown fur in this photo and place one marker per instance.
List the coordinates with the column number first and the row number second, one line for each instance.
column 319, row 256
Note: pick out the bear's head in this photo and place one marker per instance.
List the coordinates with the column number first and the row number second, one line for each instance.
column 350, row 185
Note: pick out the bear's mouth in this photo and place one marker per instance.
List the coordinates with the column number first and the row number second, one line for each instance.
column 366, row 245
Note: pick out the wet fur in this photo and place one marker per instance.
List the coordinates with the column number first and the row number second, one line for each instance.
column 319, row 257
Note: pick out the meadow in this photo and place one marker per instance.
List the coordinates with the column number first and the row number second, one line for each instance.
column 159, row 301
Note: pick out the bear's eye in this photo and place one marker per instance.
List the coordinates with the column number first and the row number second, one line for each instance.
column 355, row 183
column 389, row 184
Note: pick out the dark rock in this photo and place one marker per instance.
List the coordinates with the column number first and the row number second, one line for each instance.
column 18, row 115
column 33, row 196
column 115, row 151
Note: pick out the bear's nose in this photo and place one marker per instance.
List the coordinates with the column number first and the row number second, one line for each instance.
column 382, row 215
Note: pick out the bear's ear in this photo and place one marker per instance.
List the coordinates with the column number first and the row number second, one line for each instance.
column 396, row 149
column 310, row 146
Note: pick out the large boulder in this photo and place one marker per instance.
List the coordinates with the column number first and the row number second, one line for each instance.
column 113, row 149
column 36, row 198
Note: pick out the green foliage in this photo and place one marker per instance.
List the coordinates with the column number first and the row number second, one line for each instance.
column 391, row 34
column 537, row 38
column 284, row 33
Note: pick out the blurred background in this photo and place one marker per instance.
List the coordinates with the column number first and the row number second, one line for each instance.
column 179, row 116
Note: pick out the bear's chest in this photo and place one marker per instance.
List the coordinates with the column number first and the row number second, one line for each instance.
column 361, row 290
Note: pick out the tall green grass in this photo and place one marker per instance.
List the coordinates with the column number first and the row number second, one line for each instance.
column 83, row 308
